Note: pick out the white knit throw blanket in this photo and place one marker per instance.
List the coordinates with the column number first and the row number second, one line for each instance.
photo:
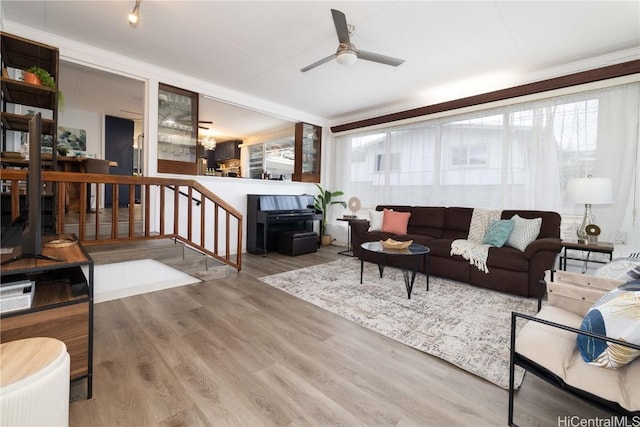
column 472, row 248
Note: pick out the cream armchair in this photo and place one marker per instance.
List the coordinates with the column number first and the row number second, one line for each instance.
column 546, row 347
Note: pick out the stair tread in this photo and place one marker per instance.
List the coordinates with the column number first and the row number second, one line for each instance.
column 131, row 245
column 172, row 253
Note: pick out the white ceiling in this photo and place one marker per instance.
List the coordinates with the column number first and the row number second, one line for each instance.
column 452, row 48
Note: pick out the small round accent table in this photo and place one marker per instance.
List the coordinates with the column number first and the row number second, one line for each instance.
column 34, row 388
column 410, row 258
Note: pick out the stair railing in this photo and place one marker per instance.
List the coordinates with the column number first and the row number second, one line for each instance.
column 213, row 228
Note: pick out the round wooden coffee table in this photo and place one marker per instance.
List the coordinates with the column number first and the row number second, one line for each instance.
column 410, row 258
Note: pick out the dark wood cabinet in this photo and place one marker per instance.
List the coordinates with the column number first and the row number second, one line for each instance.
column 177, row 130
column 62, row 305
column 308, row 143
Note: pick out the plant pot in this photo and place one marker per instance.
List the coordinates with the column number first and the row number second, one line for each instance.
column 31, row 78
column 326, row 239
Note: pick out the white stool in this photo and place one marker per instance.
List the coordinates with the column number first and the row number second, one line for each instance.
column 34, row 383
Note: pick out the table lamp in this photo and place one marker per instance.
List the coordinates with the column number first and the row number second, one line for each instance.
column 590, row 191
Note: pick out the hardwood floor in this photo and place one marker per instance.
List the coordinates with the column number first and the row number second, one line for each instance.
column 236, row 352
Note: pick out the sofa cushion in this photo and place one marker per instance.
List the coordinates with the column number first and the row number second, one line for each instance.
column 427, row 221
column 498, row 232
column 555, row 350
column 524, row 232
column 507, row 259
column 395, row 222
column 616, row 315
column 375, row 220
column 420, row 239
column 442, row 248
column 457, row 222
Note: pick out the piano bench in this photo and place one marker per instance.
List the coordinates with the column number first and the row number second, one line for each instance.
column 295, row 243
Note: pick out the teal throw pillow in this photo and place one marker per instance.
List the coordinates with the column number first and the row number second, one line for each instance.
column 498, row 232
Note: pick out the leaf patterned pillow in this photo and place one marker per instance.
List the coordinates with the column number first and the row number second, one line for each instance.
column 615, row 315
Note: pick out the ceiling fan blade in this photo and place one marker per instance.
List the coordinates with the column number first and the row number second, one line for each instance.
column 376, row 57
column 315, row 64
column 340, row 21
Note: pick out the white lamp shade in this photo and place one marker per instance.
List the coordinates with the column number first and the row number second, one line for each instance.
column 589, row 191
column 346, row 57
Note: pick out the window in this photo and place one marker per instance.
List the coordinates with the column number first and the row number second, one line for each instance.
column 518, row 156
column 469, row 155
column 275, row 158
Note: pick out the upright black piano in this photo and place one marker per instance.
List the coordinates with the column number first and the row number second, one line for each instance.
column 270, row 214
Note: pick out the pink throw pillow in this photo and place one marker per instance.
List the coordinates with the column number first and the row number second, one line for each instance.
column 395, row 222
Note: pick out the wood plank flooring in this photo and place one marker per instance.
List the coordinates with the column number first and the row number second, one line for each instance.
column 236, row 352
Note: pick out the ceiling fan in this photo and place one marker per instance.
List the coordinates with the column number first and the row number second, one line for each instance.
column 204, row 122
column 347, row 53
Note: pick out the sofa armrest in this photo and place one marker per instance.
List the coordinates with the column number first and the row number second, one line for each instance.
column 359, row 229
column 359, row 226
column 546, row 244
column 577, row 292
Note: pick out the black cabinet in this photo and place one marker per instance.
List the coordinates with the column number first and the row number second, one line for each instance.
column 224, row 151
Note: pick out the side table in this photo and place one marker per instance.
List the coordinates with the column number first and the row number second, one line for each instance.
column 349, row 250
column 600, row 247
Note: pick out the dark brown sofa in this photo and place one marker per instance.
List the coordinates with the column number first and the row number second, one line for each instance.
column 510, row 270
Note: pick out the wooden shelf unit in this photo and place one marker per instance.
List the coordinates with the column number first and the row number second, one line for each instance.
column 18, row 53
column 20, row 123
column 55, row 312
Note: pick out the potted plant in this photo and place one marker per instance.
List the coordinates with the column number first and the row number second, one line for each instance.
column 322, row 202
column 40, row 76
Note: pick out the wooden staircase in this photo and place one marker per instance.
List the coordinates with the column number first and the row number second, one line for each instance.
column 168, row 251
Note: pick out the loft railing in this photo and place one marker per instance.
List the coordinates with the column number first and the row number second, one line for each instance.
column 210, row 227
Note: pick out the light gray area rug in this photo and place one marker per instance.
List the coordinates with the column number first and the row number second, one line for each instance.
column 462, row 324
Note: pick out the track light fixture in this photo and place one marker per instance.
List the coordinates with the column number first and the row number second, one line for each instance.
column 134, row 16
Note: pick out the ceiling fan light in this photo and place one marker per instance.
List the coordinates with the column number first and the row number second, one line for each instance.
column 134, row 16
column 208, row 142
column 346, row 57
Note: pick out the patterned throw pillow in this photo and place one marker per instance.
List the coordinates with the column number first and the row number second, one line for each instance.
column 498, row 232
column 620, row 268
column 376, row 220
column 615, row 315
column 524, row 232
column 395, row 222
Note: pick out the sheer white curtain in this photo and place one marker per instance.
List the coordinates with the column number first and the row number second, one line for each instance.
column 514, row 157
